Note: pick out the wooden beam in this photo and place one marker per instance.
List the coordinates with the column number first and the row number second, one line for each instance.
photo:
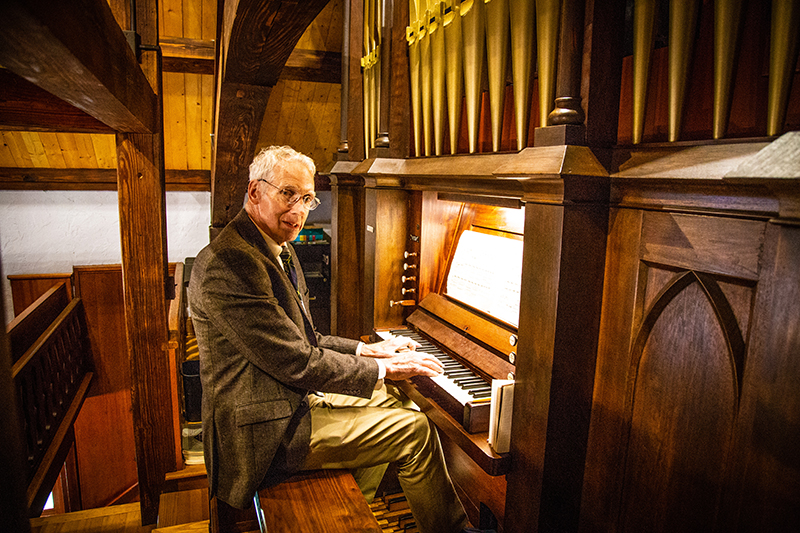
column 25, row 106
column 240, row 112
column 256, row 39
column 261, row 37
column 143, row 237
column 92, row 179
column 77, row 52
column 313, row 65
column 193, row 56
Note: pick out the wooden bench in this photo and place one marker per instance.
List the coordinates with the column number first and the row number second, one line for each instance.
column 51, row 373
column 322, row 501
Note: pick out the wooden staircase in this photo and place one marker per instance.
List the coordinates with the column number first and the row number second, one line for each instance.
column 183, row 507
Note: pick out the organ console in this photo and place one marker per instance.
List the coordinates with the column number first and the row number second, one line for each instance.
column 655, row 382
column 476, row 344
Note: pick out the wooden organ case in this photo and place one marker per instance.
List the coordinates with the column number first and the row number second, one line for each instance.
column 657, row 376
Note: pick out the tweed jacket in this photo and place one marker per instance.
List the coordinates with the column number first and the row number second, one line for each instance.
column 258, row 363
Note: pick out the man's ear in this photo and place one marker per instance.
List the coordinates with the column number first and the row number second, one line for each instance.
column 253, row 194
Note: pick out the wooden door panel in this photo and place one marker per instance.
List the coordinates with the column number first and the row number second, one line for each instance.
column 684, row 404
column 667, row 394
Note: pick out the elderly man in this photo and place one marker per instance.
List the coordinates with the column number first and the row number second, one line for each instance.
column 278, row 397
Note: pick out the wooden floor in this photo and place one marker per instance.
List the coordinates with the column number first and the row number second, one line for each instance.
column 187, row 511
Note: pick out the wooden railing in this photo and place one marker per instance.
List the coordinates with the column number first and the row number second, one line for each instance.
column 51, row 378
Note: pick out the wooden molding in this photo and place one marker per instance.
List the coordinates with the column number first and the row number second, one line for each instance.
column 313, row 65
column 191, row 56
column 92, row 179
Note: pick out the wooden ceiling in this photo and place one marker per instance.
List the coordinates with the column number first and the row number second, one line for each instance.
column 47, row 143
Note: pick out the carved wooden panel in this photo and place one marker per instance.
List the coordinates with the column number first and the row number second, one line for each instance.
column 679, row 300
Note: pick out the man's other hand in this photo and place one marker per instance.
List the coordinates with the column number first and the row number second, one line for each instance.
column 389, row 347
column 410, row 364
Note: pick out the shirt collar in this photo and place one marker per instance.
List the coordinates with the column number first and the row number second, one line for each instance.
column 273, row 246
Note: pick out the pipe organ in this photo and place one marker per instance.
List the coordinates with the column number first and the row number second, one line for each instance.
column 643, row 158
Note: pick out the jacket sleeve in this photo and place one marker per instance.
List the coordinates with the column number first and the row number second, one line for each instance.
column 246, row 299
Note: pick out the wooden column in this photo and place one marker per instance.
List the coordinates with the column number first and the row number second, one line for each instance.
column 566, row 217
column 12, row 456
column 142, row 213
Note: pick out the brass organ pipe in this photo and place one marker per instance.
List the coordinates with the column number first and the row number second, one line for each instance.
column 345, row 93
column 497, row 23
column 644, row 13
column 727, row 27
column 436, row 33
column 414, row 75
column 682, row 24
column 367, row 75
column 454, row 74
column 472, row 12
column 522, row 39
column 784, row 46
column 377, row 31
column 425, row 77
column 547, row 16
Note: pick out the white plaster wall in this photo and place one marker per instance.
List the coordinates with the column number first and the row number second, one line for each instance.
column 44, row 232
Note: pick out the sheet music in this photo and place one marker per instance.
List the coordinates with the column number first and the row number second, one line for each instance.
column 486, row 273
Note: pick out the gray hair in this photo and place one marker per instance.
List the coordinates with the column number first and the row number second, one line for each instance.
column 264, row 163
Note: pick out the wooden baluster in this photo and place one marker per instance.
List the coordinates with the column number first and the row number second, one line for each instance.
column 727, row 29
column 568, row 109
column 522, row 58
column 784, row 46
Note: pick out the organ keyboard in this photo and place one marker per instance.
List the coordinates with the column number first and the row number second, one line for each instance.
column 463, row 393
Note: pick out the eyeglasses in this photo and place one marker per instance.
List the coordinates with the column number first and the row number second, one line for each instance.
column 291, row 197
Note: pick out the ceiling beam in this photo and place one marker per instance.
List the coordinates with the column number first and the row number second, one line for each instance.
column 77, row 52
column 256, row 39
column 25, row 106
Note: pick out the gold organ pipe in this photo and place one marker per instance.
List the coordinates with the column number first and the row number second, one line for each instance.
column 414, row 75
column 436, row 33
column 454, row 75
column 522, row 39
column 377, row 30
column 644, row 13
column 784, row 46
column 368, row 75
column 548, row 13
column 425, row 79
column 497, row 28
column 682, row 23
column 472, row 12
column 727, row 26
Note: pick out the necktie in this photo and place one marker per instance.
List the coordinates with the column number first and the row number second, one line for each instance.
column 288, row 265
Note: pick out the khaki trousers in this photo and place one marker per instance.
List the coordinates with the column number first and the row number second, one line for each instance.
column 364, row 435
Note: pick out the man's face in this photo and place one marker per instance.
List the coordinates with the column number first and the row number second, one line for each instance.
column 268, row 207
